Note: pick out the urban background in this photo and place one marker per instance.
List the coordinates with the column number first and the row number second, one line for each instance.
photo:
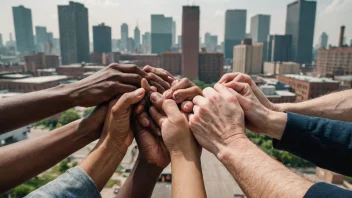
column 294, row 50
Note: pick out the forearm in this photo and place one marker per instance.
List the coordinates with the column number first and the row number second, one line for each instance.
column 335, row 106
column 141, row 181
column 19, row 111
column 187, row 178
column 24, row 160
column 102, row 162
column 259, row 175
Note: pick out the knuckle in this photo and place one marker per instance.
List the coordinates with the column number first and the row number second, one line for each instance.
column 232, row 99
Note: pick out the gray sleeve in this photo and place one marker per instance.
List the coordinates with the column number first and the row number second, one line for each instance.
column 74, row 183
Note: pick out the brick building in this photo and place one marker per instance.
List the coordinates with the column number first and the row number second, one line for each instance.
column 172, row 62
column 307, row 87
column 40, row 61
column 11, row 68
column 96, row 57
column 211, row 66
column 141, row 59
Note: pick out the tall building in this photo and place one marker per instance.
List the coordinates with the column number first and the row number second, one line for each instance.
column 124, row 36
column 300, row 23
column 41, row 38
column 248, row 57
column 146, row 42
column 179, row 40
column 161, row 35
column 173, row 33
column 22, row 18
column 260, row 28
column 131, row 47
column 323, row 41
column 172, row 62
column 1, row 43
column 102, row 38
column 211, row 66
column 235, row 30
column 137, row 37
column 190, row 41
column 211, row 42
column 74, row 33
column 279, row 48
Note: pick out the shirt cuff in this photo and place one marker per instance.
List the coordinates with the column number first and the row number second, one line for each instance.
column 324, row 190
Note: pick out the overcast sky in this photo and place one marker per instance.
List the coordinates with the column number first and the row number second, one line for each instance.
column 331, row 14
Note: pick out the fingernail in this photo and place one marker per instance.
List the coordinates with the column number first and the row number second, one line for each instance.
column 178, row 96
column 171, row 78
column 186, row 106
column 167, row 94
column 140, row 92
column 154, row 97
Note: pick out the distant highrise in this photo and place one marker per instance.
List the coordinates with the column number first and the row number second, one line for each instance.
column 1, row 43
column 161, row 35
column 74, row 33
column 300, row 23
column 235, row 30
column 50, row 36
column 179, row 40
column 102, row 38
column 137, row 37
column 190, row 41
column 124, row 36
column 41, row 38
column 173, row 33
column 248, row 57
column 146, row 42
column 22, row 18
column 323, row 41
column 351, row 43
column 211, row 42
column 131, row 47
column 260, row 28
column 279, row 48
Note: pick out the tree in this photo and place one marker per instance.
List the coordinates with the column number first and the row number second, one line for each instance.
column 88, row 111
column 68, row 117
column 22, row 191
column 63, row 166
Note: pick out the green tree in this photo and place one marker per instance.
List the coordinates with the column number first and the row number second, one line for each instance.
column 22, row 190
column 68, row 117
column 63, row 166
column 88, row 111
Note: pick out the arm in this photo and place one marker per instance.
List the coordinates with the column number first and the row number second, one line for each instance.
column 24, row 160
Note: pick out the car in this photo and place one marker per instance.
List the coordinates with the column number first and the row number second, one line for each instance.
column 165, row 177
column 116, row 190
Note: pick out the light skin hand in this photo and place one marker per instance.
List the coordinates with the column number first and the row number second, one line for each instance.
column 182, row 90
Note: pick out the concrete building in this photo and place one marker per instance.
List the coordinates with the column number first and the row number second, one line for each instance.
column 211, row 66
column 307, row 87
column 41, row 37
column 124, row 37
column 260, row 28
column 336, row 60
column 40, row 61
column 161, row 33
column 102, row 38
column 1, row 42
column 300, row 23
column 235, row 30
column 172, row 62
column 146, row 42
column 281, row 68
column 279, row 48
column 22, row 20
column 248, row 57
column 277, row 96
column 74, row 33
column 323, row 40
column 137, row 38
column 190, row 41
column 211, row 42
column 173, row 33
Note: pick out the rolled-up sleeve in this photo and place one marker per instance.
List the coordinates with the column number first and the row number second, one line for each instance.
column 326, row 143
column 324, row 190
column 74, row 183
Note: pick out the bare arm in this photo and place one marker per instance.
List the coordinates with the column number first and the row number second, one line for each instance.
column 24, row 160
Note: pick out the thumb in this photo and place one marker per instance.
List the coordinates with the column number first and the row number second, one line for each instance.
column 245, row 102
column 128, row 99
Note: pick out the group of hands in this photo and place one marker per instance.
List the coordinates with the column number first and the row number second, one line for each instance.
column 169, row 117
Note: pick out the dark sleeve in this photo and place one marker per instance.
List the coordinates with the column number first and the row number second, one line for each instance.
column 324, row 190
column 326, row 143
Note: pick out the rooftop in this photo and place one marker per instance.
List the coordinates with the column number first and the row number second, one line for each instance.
column 42, row 79
column 285, row 93
column 345, row 78
column 15, row 76
column 310, row 78
column 6, row 94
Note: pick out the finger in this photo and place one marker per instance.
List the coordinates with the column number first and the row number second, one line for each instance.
column 145, row 85
column 183, row 84
column 130, row 68
column 187, row 106
column 158, row 117
column 241, row 88
column 154, row 129
column 121, row 88
column 225, row 92
column 143, row 120
column 157, row 79
column 160, row 88
column 140, row 107
column 228, row 77
column 157, row 100
column 127, row 78
column 170, row 108
column 186, row 94
column 153, row 89
column 209, row 92
column 199, row 100
column 129, row 99
column 244, row 102
column 196, row 109
column 158, row 71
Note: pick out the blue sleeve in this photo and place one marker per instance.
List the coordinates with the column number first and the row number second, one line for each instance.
column 326, row 143
column 324, row 190
column 74, row 183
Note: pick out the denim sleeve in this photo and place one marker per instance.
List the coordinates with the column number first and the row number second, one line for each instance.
column 74, row 183
column 324, row 190
column 326, row 143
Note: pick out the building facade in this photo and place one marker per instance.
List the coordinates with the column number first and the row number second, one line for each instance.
column 281, row 68
column 74, row 33
column 146, row 43
column 248, row 57
column 235, row 30
column 102, row 38
column 172, row 62
column 137, row 38
column 279, row 48
column 323, row 40
column 300, row 23
column 211, row 66
column 335, row 61
column 41, row 37
column 173, row 33
column 22, row 20
column 260, row 28
column 40, row 61
column 161, row 34
column 124, row 37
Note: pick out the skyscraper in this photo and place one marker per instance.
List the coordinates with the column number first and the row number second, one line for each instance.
column 173, row 33
column 102, row 38
column 22, row 18
column 137, row 37
column 41, row 38
column 323, row 41
column 279, row 48
column 74, row 33
column 248, row 57
column 1, row 44
column 190, row 41
column 211, row 42
column 300, row 22
column 235, row 30
column 260, row 28
column 161, row 35
column 124, row 36
column 179, row 40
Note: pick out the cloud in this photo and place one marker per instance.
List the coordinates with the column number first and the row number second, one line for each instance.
column 336, row 5
column 103, row 3
column 219, row 13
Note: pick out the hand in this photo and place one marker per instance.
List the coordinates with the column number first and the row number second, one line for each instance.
column 230, row 80
column 174, row 126
column 218, row 119
column 95, row 120
column 117, row 126
column 165, row 75
column 108, row 83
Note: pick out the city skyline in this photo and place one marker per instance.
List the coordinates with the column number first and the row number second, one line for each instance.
column 212, row 15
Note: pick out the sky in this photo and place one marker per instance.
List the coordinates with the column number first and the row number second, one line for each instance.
column 331, row 14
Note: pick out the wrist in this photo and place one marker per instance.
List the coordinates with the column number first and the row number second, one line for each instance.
column 66, row 93
column 226, row 152
column 109, row 143
column 148, row 168
column 277, row 124
column 187, row 149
